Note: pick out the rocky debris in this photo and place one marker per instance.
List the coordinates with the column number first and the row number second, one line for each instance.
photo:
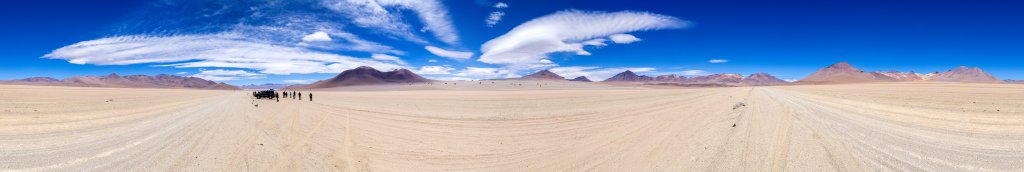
column 739, row 105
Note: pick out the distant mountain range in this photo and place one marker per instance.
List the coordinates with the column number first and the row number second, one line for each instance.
column 265, row 86
column 757, row 79
column 365, row 75
column 130, row 81
column 843, row 72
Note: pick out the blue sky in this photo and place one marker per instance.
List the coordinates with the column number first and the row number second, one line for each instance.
column 252, row 42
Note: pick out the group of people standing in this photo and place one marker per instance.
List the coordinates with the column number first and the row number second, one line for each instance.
column 298, row 95
column 277, row 95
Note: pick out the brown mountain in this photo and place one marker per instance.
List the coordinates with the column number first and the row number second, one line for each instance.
column 365, row 75
column 628, row 76
column 841, row 72
column 543, row 75
column 130, row 81
column 581, row 79
column 761, row 79
column 670, row 78
column 964, row 74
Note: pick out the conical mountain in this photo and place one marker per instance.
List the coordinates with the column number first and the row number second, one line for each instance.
column 759, row 79
column 841, row 72
column 628, row 76
column 581, row 79
column 543, row 75
column 964, row 74
column 365, row 75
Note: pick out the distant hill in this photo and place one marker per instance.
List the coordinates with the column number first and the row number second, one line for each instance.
column 717, row 79
column 964, row 74
column 130, row 81
column 365, row 75
column 581, row 79
column 897, row 76
column 841, row 72
column 670, row 78
column 628, row 76
column 762, row 79
column 1010, row 81
column 543, row 75
column 265, row 86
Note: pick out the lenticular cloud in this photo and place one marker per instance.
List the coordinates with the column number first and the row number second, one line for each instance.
column 215, row 50
column 565, row 31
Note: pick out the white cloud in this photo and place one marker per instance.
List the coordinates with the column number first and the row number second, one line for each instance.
column 500, row 5
column 216, row 50
column 623, row 38
column 718, row 61
column 374, row 14
column 432, row 61
column 317, row 36
column 299, row 81
column 494, row 18
column 790, row 80
column 458, row 55
column 385, row 57
column 434, row 70
column 565, row 31
column 484, row 73
column 595, row 73
column 181, row 73
column 227, row 75
column 694, row 72
column 599, row 42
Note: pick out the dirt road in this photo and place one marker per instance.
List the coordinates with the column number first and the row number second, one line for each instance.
column 867, row 127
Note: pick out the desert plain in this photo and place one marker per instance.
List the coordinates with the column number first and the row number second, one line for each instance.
column 898, row 126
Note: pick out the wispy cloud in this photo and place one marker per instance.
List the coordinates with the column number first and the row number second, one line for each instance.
column 494, row 18
column 596, row 73
column 227, row 75
column 566, row 31
column 317, row 36
column 623, row 38
column 217, row 50
column 484, row 73
column 434, row 70
column 718, row 61
column 458, row 55
column 500, row 5
column 374, row 14
column 694, row 72
column 385, row 57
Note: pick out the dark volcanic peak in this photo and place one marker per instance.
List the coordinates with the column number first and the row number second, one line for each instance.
column 581, row 79
column 365, row 75
column 628, row 76
column 130, row 81
column 543, row 75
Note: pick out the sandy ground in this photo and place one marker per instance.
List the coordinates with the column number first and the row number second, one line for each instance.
column 859, row 127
